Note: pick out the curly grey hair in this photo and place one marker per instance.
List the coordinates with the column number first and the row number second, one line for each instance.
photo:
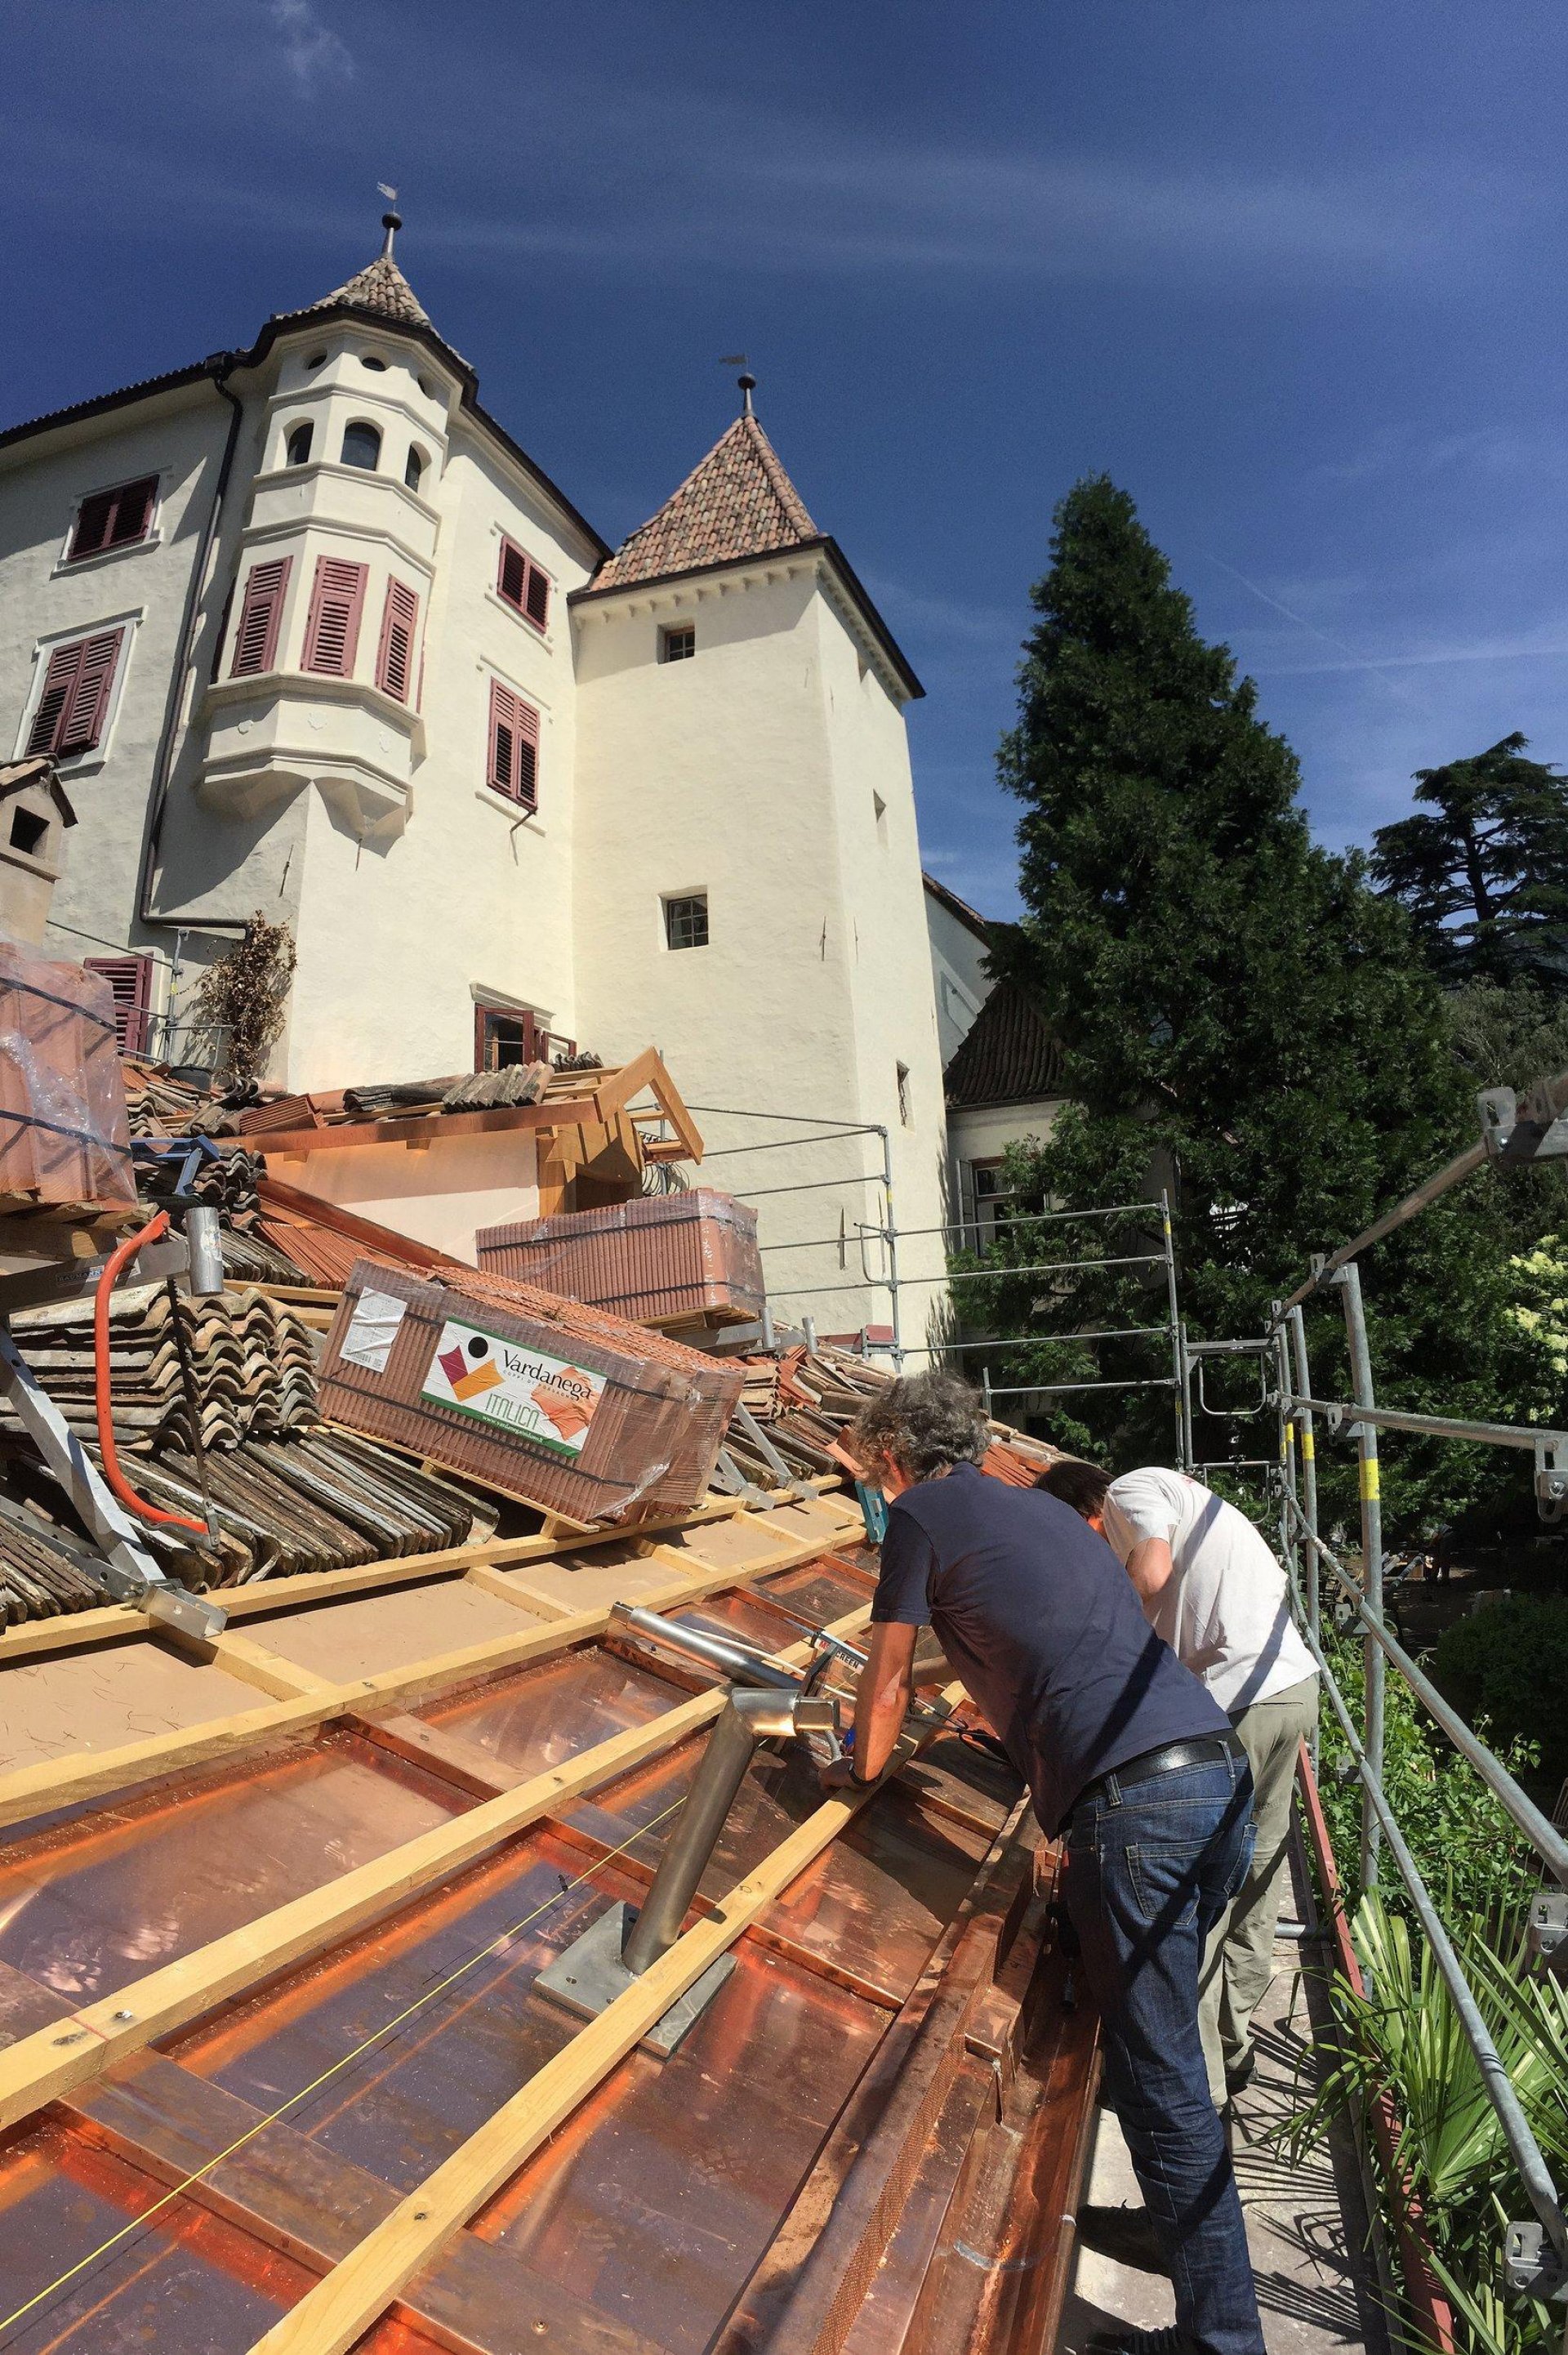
column 923, row 1426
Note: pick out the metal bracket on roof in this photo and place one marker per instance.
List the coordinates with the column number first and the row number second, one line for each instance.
column 1546, row 1927
column 1550, row 1479
column 729, row 1476
column 770, row 1456
column 1531, row 2264
column 1516, row 1134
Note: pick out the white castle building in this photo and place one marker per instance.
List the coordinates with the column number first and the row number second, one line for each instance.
column 307, row 632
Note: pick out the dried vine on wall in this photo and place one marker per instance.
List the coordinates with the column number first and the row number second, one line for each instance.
column 243, row 997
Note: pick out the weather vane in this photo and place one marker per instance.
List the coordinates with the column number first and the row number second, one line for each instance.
column 747, row 382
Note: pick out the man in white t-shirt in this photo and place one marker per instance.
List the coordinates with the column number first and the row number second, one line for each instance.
column 1212, row 1588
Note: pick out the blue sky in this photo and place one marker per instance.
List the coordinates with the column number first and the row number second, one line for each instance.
column 1294, row 276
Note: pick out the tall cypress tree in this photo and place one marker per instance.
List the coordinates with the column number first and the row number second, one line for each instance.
column 1240, row 1012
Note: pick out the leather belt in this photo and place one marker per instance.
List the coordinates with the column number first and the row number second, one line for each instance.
column 1205, row 1751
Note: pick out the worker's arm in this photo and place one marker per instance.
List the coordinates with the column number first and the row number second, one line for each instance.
column 1148, row 1566
column 882, row 1699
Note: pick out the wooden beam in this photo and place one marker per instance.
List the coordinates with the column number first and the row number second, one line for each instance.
column 276, row 1194
column 54, row 1783
column 426, row 1128
column 254, row 1665
column 113, row 1623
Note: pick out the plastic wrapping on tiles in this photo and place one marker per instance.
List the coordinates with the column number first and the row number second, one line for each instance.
column 659, row 1258
column 64, row 1136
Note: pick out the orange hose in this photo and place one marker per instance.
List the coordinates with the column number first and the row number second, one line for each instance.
column 124, row 1250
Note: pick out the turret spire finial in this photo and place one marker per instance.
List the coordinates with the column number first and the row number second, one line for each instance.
column 391, row 221
column 746, row 381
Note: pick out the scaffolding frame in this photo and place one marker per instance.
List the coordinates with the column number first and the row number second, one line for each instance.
column 1535, row 2251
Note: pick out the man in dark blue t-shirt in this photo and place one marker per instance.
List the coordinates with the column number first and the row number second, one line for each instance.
column 1127, row 1757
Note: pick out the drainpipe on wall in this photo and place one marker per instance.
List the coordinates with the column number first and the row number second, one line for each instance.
column 221, row 362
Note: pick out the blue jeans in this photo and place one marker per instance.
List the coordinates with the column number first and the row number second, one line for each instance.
column 1150, row 1869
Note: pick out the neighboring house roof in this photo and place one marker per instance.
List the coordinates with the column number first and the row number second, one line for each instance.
column 1009, row 1056
column 956, row 908
column 739, row 502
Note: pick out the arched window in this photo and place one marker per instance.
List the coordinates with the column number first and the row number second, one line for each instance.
column 299, row 445
column 361, row 446
column 414, row 469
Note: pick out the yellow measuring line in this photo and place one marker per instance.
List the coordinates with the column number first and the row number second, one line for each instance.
column 178, row 2189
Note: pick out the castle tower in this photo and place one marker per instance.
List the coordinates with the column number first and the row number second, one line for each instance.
column 747, row 874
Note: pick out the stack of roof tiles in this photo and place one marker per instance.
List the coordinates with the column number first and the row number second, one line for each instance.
column 253, row 1365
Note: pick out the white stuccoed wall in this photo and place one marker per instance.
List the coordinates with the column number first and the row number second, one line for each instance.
column 442, row 1196
column 957, row 974
column 179, row 436
column 749, row 772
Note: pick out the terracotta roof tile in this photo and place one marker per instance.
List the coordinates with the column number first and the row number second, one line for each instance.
column 1011, row 1055
column 739, row 502
column 380, row 287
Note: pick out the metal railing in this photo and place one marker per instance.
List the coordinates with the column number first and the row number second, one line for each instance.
column 1536, row 2259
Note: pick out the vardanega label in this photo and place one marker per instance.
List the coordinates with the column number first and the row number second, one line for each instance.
column 500, row 1382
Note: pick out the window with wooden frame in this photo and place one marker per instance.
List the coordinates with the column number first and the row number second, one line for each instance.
column 678, row 643
column 261, row 617
column 504, row 1034
column 686, row 920
column 115, row 518
column 331, row 628
column 73, row 701
column 521, row 583
column 399, row 627
column 512, row 768
column 130, row 980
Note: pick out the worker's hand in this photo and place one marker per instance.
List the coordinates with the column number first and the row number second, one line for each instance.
column 840, row 1775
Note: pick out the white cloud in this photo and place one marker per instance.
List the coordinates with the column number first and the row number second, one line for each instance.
column 311, row 51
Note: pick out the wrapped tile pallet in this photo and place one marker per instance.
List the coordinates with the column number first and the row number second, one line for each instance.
column 577, row 1413
column 659, row 1259
column 64, row 1140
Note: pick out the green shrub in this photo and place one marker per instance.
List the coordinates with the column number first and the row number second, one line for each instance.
column 1508, row 1662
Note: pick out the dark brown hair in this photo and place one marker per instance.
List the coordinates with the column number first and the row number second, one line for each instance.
column 1082, row 1485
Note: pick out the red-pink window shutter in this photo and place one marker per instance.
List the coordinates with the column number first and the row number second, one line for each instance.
column 513, row 579
column 332, row 632
column 261, row 617
column 65, row 662
column 521, row 583
column 395, row 654
column 130, row 980
column 87, row 706
column 514, row 746
column 113, row 519
column 74, row 703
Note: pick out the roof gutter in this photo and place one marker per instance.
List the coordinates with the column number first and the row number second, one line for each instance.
column 221, row 367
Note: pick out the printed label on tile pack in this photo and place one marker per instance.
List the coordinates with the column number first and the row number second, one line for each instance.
column 513, row 1388
column 372, row 1330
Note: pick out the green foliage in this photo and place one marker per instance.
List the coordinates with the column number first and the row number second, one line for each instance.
column 1485, row 878
column 1508, row 1662
column 1403, row 2038
column 1466, row 1849
column 1245, row 1021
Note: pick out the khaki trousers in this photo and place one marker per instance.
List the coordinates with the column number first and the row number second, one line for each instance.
column 1238, row 1961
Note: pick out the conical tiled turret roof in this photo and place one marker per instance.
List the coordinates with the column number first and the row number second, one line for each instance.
column 739, row 502
column 379, row 287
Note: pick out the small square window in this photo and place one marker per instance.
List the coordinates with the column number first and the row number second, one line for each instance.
column 903, row 1070
column 686, row 921
column 679, row 643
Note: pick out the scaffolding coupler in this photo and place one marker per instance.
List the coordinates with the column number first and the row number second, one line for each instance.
column 1515, row 1133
